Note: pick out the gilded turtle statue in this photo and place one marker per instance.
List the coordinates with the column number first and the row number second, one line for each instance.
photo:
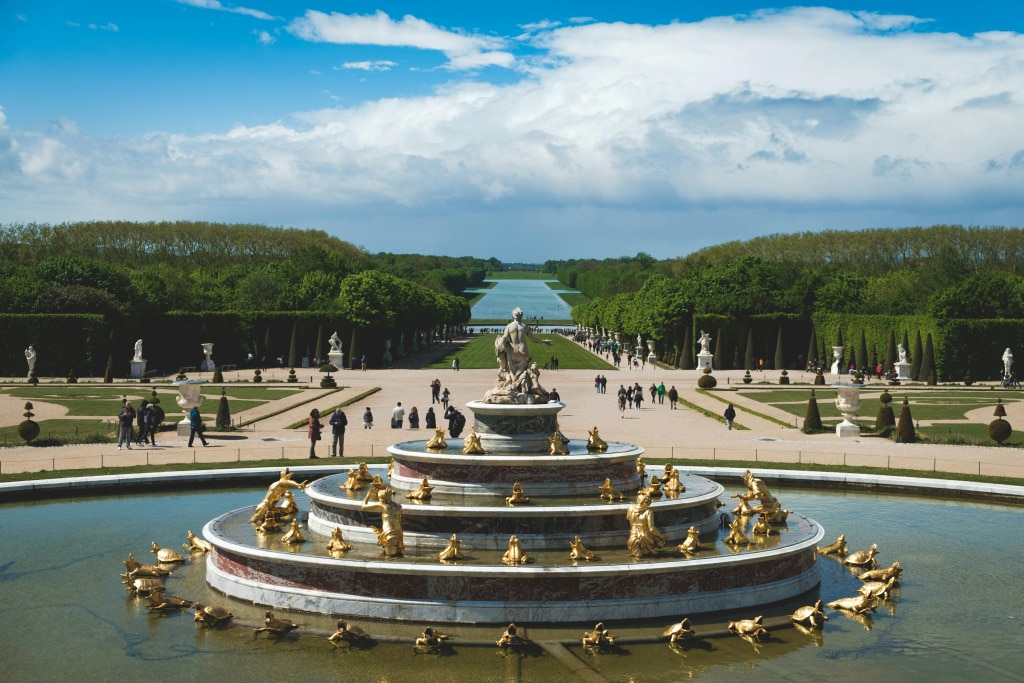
column 275, row 625
column 144, row 585
column 883, row 574
column 196, row 544
column 877, row 589
column 136, row 569
column 166, row 555
column 211, row 615
column 679, row 631
column 162, row 602
column 749, row 628
column 862, row 558
column 811, row 616
column 431, row 640
column 858, row 604
column 512, row 637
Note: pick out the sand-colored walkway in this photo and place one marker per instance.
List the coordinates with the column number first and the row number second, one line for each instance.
column 662, row 432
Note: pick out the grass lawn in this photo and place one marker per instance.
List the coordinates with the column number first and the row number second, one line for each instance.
column 479, row 354
column 519, row 275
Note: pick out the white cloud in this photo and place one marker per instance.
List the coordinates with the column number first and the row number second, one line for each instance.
column 789, row 120
column 265, row 38
column 216, row 5
column 464, row 51
column 368, row 65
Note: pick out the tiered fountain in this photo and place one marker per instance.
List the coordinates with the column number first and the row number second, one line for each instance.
column 515, row 562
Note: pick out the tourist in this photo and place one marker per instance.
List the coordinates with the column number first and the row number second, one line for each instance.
column 367, row 418
column 597, row 384
column 673, row 396
column 140, row 438
column 661, row 393
column 125, row 420
column 445, row 396
column 456, row 421
column 414, row 418
column 435, row 391
column 730, row 415
column 430, row 420
column 195, row 426
column 397, row 416
column 455, row 364
column 638, row 397
column 362, row 362
column 604, row 384
column 313, row 432
column 338, row 424
column 654, row 392
column 152, row 422
column 553, row 395
column 622, row 401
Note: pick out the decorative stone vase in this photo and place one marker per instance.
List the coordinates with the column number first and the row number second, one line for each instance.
column 848, row 403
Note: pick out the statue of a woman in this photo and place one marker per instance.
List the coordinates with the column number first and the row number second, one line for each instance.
column 30, row 358
column 1007, row 361
column 644, row 538
column 138, row 350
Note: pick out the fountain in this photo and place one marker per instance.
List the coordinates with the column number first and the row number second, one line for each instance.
column 517, row 483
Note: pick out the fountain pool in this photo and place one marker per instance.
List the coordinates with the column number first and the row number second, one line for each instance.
column 958, row 614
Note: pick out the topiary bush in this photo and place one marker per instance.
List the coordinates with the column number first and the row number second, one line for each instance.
column 784, row 377
column 223, row 412
column 885, row 417
column 747, row 379
column 257, row 376
column 28, row 429
column 291, row 376
column 819, row 377
column 812, row 418
column 707, row 380
column 999, row 430
column 218, row 376
column 905, row 432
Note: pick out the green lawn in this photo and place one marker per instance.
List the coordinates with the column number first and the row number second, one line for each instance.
column 519, row 275
column 479, row 354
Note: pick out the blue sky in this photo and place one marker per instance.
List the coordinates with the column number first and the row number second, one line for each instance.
column 524, row 131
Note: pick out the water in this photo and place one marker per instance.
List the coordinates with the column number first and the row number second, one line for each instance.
column 538, row 301
column 959, row 612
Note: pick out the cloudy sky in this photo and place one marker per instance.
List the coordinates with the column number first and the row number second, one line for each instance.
column 523, row 131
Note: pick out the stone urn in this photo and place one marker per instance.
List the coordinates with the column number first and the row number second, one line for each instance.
column 848, row 403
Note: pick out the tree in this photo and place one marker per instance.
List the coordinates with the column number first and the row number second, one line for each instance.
column 293, row 346
column 686, row 355
column 812, row 347
column 780, row 362
column 916, row 361
column 905, row 432
column 812, row 418
column 890, row 353
column 928, row 361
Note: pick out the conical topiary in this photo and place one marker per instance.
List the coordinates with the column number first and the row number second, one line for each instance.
column 905, row 432
column 885, row 418
column 999, row 430
column 928, row 361
column 218, row 376
column 223, row 411
column 780, row 359
column 686, row 355
column 812, row 419
column 28, row 429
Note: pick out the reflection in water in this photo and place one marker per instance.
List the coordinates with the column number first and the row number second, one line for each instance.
column 59, row 575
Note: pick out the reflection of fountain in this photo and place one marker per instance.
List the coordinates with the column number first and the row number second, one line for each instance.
column 188, row 398
column 848, row 403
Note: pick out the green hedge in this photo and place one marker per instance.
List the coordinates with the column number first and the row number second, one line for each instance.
column 62, row 341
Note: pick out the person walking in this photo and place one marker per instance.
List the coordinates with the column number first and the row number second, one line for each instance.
column 661, row 393
column 362, row 362
column 152, row 422
column 195, row 426
column 622, row 401
column 125, row 420
column 414, row 418
column 673, row 397
column 367, row 418
column 445, row 397
column 313, row 432
column 455, row 364
column 338, row 424
column 638, row 398
column 430, row 419
column 397, row 416
column 730, row 415
column 140, row 437
column 435, row 391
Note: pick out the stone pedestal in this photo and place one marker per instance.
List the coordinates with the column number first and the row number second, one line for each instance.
column 337, row 359
column 138, row 369
column 704, row 360
column 207, row 365
column 902, row 371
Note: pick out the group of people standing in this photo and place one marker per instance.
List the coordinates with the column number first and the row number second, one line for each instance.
column 633, row 396
column 146, row 418
column 338, row 422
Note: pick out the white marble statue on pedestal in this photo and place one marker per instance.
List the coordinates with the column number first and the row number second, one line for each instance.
column 138, row 363
column 1007, row 362
column 336, row 356
column 705, row 357
column 902, row 367
column 138, row 350
column 30, row 358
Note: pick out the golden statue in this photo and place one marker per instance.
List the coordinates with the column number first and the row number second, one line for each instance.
column 346, row 633
column 286, row 507
column 512, row 637
column 579, row 551
column 681, row 631
column 514, row 555
column 644, row 537
column 452, row 551
column 858, row 604
column 166, row 555
column 337, row 545
column 768, row 504
column 294, row 534
column 196, row 544
column 136, row 569
column 811, row 616
column 211, row 615
column 275, row 492
column 432, row 640
column 162, row 602
column 837, row 548
column 736, row 535
column 762, row 528
column 654, row 488
column 275, row 626
column 557, row 445
column 878, row 589
column 598, row 638
column 750, row 628
column 143, row 585
column 363, row 473
column 471, row 444
column 595, row 444
column 608, row 491
column 892, row 571
column 437, row 442
column 671, row 483
column 691, row 545
column 423, row 492
column 352, row 483
column 863, row 558
column 641, row 468
column 517, row 497
column 391, row 538
column 269, row 525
